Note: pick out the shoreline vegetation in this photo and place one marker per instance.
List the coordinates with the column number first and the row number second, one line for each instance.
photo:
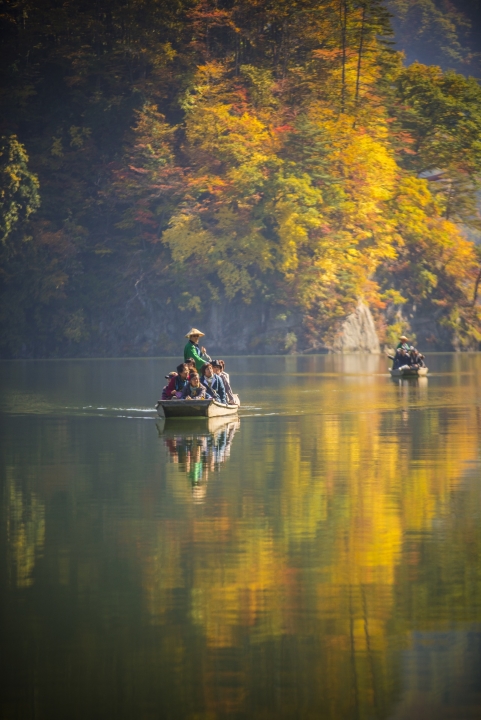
column 270, row 167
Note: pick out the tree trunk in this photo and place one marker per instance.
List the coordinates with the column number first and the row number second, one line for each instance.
column 343, row 21
column 359, row 57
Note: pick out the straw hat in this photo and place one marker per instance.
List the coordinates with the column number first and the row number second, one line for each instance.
column 194, row 331
column 403, row 337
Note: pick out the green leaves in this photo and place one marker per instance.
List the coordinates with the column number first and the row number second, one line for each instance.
column 442, row 114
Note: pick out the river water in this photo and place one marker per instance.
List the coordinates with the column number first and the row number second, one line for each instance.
column 317, row 558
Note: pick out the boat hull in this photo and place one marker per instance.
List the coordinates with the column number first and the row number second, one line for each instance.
column 194, row 409
column 409, row 372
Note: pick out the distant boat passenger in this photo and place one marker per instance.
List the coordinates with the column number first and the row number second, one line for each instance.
column 404, row 344
column 192, row 349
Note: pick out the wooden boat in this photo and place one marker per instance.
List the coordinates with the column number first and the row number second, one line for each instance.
column 194, row 408
column 408, row 372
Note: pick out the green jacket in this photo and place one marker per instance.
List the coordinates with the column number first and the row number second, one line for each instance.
column 192, row 350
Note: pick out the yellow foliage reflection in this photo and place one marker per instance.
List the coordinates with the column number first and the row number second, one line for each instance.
column 298, row 562
column 313, row 547
column 25, row 526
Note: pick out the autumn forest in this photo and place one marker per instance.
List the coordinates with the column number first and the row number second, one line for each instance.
column 264, row 162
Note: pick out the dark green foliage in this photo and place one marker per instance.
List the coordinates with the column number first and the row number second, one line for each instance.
column 439, row 32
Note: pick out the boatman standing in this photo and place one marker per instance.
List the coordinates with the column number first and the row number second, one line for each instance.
column 192, row 349
column 404, row 344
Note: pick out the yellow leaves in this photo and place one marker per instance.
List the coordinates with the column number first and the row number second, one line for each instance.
column 248, row 177
column 393, row 296
column 364, row 162
column 209, row 73
column 297, row 211
column 318, row 200
column 185, row 237
column 234, row 139
column 165, row 54
column 227, row 250
column 154, row 134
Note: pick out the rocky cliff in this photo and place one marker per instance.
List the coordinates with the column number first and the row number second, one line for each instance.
column 358, row 333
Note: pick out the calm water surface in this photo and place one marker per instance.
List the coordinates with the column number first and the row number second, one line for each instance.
column 317, row 558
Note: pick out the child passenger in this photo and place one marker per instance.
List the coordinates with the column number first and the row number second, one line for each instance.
column 193, row 390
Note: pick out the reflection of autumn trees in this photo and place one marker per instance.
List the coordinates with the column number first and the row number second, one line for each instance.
column 323, row 547
column 199, row 449
column 320, row 544
column 25, row 531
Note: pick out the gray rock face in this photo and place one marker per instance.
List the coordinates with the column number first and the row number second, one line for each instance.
column 358, row 333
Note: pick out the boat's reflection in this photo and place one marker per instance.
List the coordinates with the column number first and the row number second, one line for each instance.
column 198, row 447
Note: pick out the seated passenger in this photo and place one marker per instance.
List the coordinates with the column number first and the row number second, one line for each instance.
column 164, row 389
column 218, row 367
column 193, row 389
column 213, row 384
column 191, row 365
column 173, row 389
column 397, row 360
column 419, row 359
column 414, row 359
column 401, row 359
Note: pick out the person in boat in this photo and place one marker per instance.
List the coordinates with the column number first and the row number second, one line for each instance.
column 404, row 343
column 174, row 388
column 193, row 351
column 224, row 375
column 413, row 359
column 194, row 390
column 213, row 384
column 402, row 359
column 164, row 389
column 218, row 367
column 417, row 359
column 191, row 365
